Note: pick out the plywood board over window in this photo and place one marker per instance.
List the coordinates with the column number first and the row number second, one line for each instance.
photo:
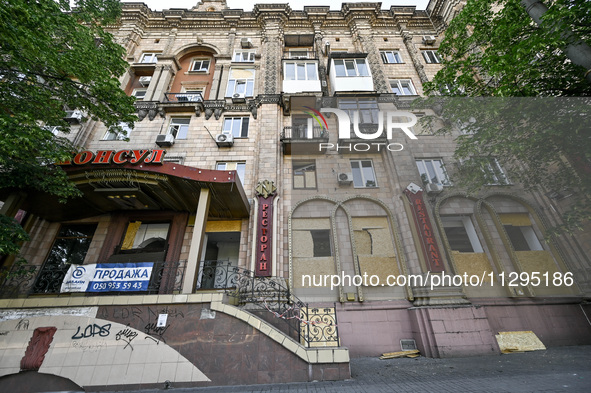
column 375, row 247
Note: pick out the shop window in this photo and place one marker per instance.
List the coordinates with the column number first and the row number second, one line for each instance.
column 461, row 234
column 145, row 237
column 69, row 247
column 321, row 241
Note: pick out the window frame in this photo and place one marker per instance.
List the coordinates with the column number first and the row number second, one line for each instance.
column 466, row 223
column 499, row 176
column 247, row 82
column 316, row 243
column 251, row 56
column 365, row 111
column 150, row 56
column 431, row 56
column 200, row 60
column 400, row 88
column 355, row 61
column 296, row 73
column 117, row 136
column 529, row 236
column 304, row 163
column 396, row 56
column 242, row 132
column 176, row 133
column 363, row 179
column 240, row 168
column 142, row 90
column 445, row 176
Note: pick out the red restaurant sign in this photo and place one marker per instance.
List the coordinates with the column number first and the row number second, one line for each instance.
column 106, row 157
column 427, row 237
column 266, row 191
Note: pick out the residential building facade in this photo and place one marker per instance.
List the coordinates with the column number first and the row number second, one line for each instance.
column 219, row 240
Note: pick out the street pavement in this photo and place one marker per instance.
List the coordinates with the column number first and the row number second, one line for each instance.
column 557, row 369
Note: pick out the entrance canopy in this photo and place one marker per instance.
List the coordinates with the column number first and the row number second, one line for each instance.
column 168, row 186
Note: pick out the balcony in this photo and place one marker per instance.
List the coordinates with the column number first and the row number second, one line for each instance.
column 26, row 280
column 183, row 97
column 300, row 74
column 299, row 54
column 299, row 139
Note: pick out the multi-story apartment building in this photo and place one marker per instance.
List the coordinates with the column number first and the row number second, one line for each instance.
column 214, row 242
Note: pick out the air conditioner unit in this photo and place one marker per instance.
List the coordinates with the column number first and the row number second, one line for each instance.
column 345, row 178
column 246, row 42
column 145, row 80
column 73, row 116
column 433, row 188
column 428, row 39
column 224, row 140
column 238, row 98
column 165, row 140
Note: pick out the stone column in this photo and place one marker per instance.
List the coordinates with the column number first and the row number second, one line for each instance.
column 415, row 56
column 192, row 269
column 363, row 34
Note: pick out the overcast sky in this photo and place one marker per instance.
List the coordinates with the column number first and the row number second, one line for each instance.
column 295, row 4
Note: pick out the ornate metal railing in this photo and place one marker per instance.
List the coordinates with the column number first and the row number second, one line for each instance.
column 23, row 280
column 17, row 281
column 312, row 326
column 300, row 133
column 183, row 97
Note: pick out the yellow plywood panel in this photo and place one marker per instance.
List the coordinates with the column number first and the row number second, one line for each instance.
column 519, row 341
column 223, row 226
column 537, row 261
column 472, row 263
column 310, row 223
column 316, row 268
column 379, row 266
column 516, row 219
column 373, row 237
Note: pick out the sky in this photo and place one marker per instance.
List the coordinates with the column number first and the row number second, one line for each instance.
column 295, row 4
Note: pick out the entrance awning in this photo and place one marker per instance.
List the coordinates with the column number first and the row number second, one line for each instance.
column 168, row 186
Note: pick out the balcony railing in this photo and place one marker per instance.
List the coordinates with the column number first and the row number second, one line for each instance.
column 183, row 97
column 24, row 280
column 311, row 326
column 300, row 133
column 298, row 55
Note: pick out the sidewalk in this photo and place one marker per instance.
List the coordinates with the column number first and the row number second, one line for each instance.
column 558, row 369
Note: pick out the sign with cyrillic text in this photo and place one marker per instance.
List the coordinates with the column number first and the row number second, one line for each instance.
column 108, row 277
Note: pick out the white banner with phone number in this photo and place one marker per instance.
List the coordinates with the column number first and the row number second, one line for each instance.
column 108, row 277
